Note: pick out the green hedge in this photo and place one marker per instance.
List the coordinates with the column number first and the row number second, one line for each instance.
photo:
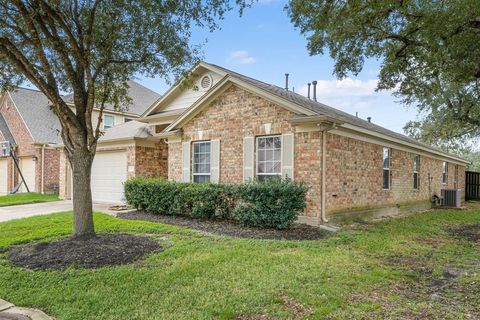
column 269, row 204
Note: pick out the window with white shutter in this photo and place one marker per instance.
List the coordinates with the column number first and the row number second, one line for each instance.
column 287, row 155
column 186, row 161
column 248, row 158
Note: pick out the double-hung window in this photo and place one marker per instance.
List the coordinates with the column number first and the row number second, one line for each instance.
column 445, row 173
column 108, row 121
column 416, row 169
column 201, row 161
column 386, row 168
column 269, row 157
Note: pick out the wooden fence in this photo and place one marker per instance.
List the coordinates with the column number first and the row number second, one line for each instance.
column 472, row 185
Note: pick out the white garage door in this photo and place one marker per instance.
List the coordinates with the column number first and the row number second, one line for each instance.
column 3, row 177
column 109, row 172
column 27, row 165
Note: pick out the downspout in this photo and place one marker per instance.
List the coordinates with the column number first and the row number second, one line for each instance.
column 323, row 217
column 324, row 129
column 43, row 168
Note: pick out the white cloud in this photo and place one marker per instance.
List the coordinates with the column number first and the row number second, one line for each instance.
column 266, row 1
column 347, row 87
column 240, row 57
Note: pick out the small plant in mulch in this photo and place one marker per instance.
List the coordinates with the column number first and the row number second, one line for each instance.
column 86, row 252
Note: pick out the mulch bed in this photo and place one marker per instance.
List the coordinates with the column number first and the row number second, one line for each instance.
column 92, row 252
column 230, row 228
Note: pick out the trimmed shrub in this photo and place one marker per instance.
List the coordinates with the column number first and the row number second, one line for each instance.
column 274, row 203
column 270, row 204
column 200, row 200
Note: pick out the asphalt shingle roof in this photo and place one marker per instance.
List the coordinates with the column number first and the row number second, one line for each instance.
column 131, row 129
column 7, row 135
column 323, row 109
column 34, row 108
column 142, row 98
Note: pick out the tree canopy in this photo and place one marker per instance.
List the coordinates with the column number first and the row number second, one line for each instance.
column 429, row 53
column 91, row 48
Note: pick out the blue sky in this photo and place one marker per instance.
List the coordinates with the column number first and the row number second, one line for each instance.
column 264, row 44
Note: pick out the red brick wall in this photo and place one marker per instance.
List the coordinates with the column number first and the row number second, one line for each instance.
column 22, row 137
column 307, row 166
column 236, row 114
column 175, row 161
column 26, row 148
column 231, row 117
column 355, row 175
column 52, row 170
column 354, row 167
column 18, row 129
column 152, row 162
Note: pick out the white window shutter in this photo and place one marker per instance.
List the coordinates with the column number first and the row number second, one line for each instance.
column 186, row 161
column 287, row 155
column 248, row 158
column 215, row 161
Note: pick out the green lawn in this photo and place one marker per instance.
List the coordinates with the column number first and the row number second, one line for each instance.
column 26, row 198
column 398, row 269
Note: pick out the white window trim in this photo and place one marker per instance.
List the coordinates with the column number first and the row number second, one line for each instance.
column 445, row 172
column 108, row 115
column 256, row 156
column 389, row 165
column 209, row 174
column 416, row 169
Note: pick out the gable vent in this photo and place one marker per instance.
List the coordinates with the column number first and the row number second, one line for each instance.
column 206, row 82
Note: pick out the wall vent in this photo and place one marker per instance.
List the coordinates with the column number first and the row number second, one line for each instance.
column 206, row 82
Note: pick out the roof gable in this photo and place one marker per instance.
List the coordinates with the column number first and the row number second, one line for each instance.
column 186, row 91
column 298, row 103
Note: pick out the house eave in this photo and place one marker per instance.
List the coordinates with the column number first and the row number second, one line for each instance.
column 314, row 120
column 168, row 134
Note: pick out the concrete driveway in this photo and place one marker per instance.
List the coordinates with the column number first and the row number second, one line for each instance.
column 37, row 209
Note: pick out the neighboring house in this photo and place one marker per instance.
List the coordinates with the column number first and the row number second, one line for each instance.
column 230, row 128
column 29, row 124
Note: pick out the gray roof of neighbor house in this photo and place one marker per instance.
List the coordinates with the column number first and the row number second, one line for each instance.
column 34, row 108
column 142, row 98
column 127, row 130
column 322, row 109
column 5, row 131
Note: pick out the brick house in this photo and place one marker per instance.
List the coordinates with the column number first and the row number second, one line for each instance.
column 230, row 128
column 31, row 127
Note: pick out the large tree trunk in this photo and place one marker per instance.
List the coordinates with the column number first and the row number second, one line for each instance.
column 81, row 162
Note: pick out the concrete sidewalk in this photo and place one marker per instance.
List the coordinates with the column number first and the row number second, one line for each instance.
column 9, row 311
column 37, row 209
